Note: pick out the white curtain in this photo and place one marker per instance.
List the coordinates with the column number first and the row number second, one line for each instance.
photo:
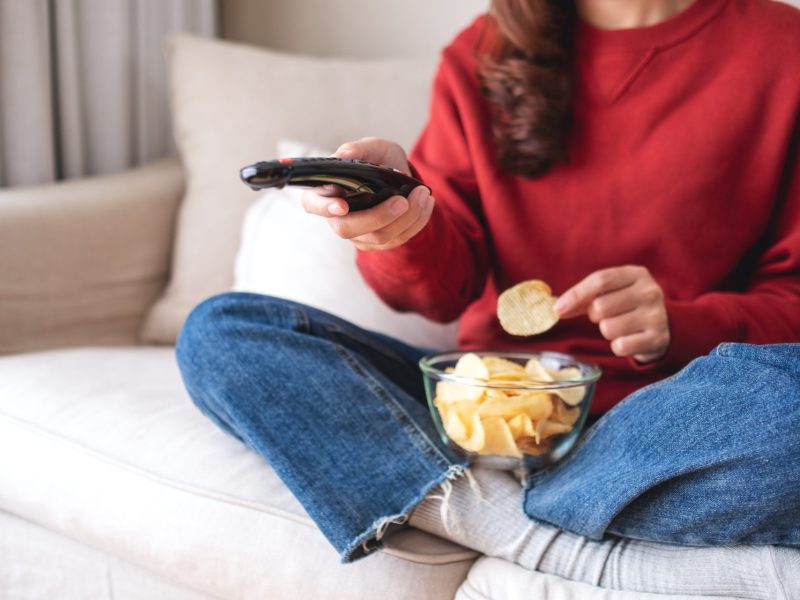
column 83, row 87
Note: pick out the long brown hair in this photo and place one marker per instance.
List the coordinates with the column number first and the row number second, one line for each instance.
column 525, row 70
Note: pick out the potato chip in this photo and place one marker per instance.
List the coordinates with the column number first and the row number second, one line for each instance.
column 454, row 426
column 535, row 370
column 502, row 369
column 508, row 377
column 464, row 408
column 566, row 373
column 537, row 405
column 471, row 365
column 546, row 428
column 562, row 414
column 498, row 438
column 450, row 391
column 527, row 308
column 496, row 394
column 498, row 365
column 571, row 395
column 477, row 439
column 521, row 425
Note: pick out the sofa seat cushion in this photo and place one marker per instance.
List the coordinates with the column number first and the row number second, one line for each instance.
column 39, row 564
column 103, row 445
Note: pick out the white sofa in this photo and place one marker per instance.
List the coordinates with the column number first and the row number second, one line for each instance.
column 112, row 485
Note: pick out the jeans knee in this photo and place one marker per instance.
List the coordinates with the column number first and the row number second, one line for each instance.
column 193, row 348
column 203, row 346
column 219, row 328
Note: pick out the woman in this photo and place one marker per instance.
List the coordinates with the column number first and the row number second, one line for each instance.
column 640, row 156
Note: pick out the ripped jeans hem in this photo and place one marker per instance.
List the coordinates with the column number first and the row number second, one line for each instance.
column 372, row 539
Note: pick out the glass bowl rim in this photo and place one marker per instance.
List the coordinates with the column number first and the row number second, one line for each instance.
column 428, row 369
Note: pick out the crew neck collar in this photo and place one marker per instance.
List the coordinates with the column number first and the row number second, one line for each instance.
column 669, row 32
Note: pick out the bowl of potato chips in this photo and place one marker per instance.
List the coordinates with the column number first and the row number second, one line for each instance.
column 509, row 409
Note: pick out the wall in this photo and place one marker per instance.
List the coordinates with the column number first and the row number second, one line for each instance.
column 348, row 28
column 351, row 28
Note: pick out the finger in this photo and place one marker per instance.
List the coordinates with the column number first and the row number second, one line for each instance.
column 638, row 345
column 330, row 190
column 626, row 324
column 655, row 350
column 417, row 207
column 612, row 304
column 373, row 219
column 324, row 206
column 576, row 300
column 416, row 226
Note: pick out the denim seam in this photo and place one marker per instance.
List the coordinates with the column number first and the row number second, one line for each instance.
column 303, row 321
column 417, row 435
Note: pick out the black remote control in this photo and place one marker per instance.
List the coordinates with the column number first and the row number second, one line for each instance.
column 364, row 184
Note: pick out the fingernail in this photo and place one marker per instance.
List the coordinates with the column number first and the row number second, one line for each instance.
column 344, row 150
column 398, row 206
column 335, row 209
column 561, row 306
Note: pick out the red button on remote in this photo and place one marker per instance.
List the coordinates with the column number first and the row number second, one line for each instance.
column 286, row 161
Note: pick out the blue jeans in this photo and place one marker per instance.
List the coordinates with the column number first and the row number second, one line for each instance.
column 709, row 456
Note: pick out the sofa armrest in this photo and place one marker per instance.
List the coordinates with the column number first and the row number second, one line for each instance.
column 81, row 261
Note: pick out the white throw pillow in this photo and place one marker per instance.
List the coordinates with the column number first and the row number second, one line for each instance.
column 288, row 253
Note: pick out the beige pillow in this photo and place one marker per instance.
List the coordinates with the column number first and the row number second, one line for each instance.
column 231, row 103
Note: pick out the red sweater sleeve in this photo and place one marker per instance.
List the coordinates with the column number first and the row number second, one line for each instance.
column 438, row 272
column 768, row 310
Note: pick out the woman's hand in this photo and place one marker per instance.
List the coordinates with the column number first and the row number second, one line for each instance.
column 387, row 225
column 628, row 305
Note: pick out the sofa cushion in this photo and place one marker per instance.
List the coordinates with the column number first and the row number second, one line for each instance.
column 231, row 103
column 102, row 445
column 39, row 563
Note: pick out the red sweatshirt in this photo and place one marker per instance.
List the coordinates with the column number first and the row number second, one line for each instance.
column 684, row 159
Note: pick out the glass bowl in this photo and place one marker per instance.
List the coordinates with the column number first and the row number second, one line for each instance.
column 508, row 410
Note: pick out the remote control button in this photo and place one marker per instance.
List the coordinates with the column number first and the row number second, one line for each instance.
column 286, row 161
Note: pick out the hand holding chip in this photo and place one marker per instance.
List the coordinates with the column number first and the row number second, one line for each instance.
column 628, row 305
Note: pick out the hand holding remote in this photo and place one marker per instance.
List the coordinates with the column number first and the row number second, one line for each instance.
column 387, row 225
